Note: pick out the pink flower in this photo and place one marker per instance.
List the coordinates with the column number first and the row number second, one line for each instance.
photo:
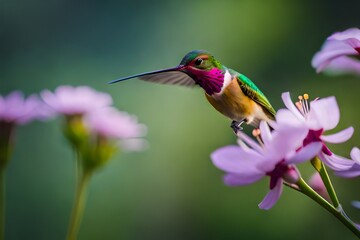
column 317, row 184
column 110, row 123
column 14, row 108
column 317, row 117
column 68, row 100
column 248, row 163
column 337, row 50
column 354, row 171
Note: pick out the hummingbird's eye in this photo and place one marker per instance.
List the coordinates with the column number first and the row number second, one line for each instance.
column 198, row 61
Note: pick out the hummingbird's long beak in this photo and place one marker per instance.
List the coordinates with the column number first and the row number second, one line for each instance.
column 177, row 68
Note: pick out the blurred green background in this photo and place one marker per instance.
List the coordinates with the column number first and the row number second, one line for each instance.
column 172, row 190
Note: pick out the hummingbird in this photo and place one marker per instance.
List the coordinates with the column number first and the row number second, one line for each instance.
column 229, row 92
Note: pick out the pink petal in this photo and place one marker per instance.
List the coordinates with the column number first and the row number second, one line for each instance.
column 326, row 112
column 250, row 142
column 285, row 116
column 70, row 100
column 350, row 173
column 318, row 185
column 31, row 110
column 272, row 197
column 14, row 106
column 290, row 105
column 336, row 163
column 316, row 181
column 331, row 50
column 344, row 64
column 232, row 179
column 339, row 137
column 285, row 140
column 348, row 33
column 306, row 153
column 50, row 99
column 355, row 155
column 2, row 106
column 354, row 171
column 233, row 159
column 351, row 36
column 265, row 132
column 111, row 123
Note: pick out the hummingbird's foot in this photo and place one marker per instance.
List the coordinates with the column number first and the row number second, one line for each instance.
column 236, row 126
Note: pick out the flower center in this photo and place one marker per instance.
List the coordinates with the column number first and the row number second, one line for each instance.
column 358, row 49
column 314, row 136
column 280, row 169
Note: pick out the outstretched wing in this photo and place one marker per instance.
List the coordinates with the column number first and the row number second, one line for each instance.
column 172, row 78
column 253, row 92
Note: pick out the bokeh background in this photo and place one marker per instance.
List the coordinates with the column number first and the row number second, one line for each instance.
column 172, row 190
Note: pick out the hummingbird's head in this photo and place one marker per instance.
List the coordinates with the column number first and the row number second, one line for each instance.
column 201, row 60
column 205, row 70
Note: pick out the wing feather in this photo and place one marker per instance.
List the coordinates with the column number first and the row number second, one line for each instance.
column 252, row 91
column 172, row 77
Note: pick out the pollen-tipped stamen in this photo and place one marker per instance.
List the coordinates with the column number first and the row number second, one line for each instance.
column 299, row 107
column 306, row 102
column 257, row 134
column 303, row 104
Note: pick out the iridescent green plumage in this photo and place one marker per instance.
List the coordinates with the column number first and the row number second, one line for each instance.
column 252, row 91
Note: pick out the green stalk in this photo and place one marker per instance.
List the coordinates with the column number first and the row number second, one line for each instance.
column 338, row 213
column 2, row 203
column 78, row 166
column 320, row 167
column 79, row 205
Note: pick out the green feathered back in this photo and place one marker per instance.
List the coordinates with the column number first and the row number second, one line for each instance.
column 252, row 91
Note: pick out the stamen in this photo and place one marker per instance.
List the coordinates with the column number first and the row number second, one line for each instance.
column 306, row 97
column 302, row 107
column 256, row 133
column 299, row 106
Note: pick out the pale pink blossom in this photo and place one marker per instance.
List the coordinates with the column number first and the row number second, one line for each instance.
column 68, row 100
column 337, row 53
column 16, row 109
column 317, row 116
column 276, row 158
column 113, row 124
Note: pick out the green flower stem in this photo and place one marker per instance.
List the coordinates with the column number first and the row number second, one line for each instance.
column 79, row 205
column 337, row 212
column 2, row 203
column 320, row 167
column 78, row 166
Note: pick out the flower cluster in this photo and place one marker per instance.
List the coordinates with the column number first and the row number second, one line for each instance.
column 94, row 128
column 297, row 136
column 275, row 157
column 91, row 121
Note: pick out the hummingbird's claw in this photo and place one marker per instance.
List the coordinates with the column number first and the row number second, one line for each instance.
column 236, row 126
